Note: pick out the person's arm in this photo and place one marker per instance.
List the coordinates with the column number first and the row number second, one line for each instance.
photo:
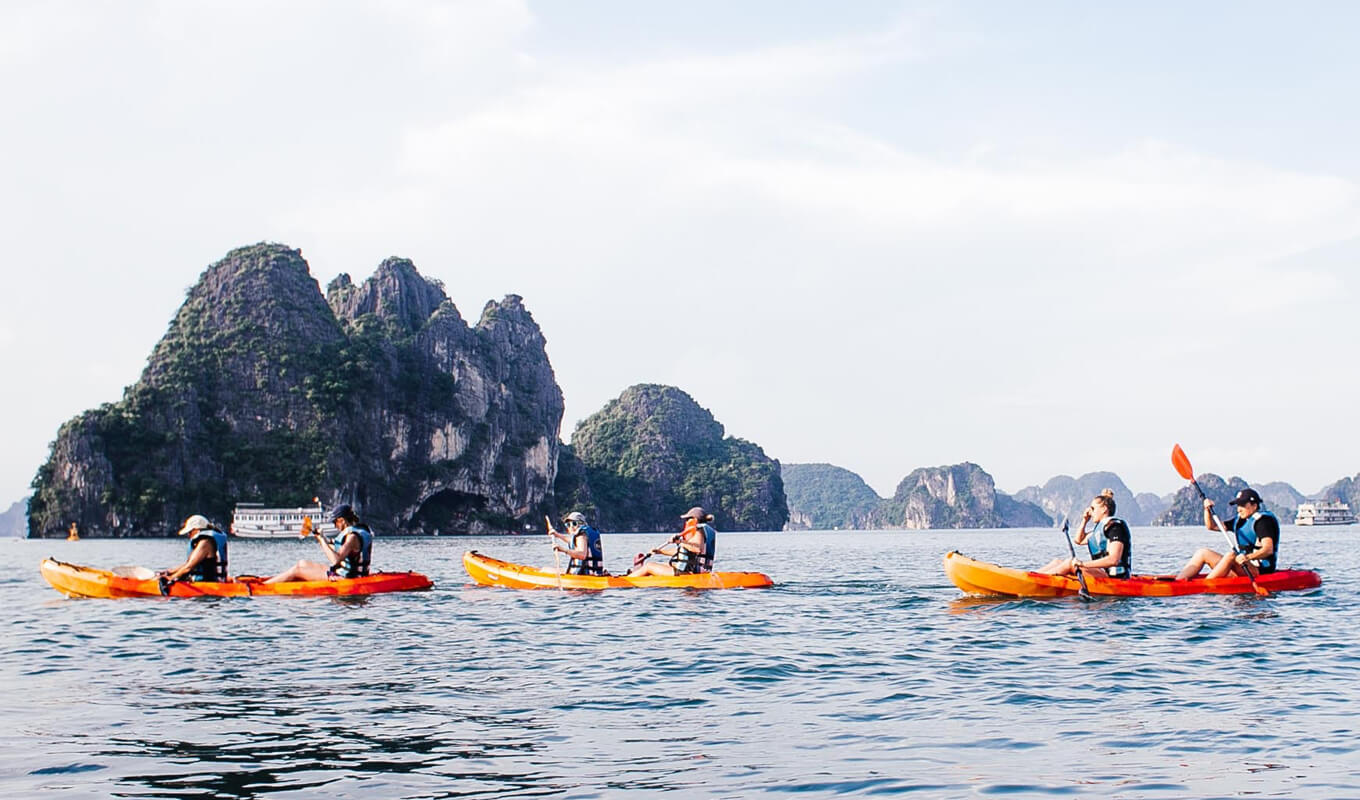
column 1114, row 552
column 693, row 541
column 1209, row 515
column 582, row 554
column 202, row 550
column 332, row 557
column 1082, row 533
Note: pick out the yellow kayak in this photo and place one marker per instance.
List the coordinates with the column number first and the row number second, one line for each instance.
column 489, row 571
column 74, row 580
column 982, row 578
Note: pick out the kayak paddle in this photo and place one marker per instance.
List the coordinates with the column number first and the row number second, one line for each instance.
column 1181, row 462
column 557, row 563
column 1084, row 594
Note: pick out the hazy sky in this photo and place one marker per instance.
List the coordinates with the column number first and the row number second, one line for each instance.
column 1045, row 237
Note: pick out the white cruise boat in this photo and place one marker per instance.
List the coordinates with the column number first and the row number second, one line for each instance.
column 254, row 521
column 1324, row 513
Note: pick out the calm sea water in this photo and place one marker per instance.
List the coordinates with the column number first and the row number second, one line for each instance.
column 862, row 673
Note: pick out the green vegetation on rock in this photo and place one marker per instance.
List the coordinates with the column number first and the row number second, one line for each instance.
column 653, row 452
column 824, row 497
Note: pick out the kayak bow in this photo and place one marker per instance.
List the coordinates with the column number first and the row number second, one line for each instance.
column 489, row 571
column 982, row 578
column 73, row 580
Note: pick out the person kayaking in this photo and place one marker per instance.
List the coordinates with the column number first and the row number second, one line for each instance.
column 691, row 551
column 1109, row 542
column 1256, row 532
column 583, row 545
column 207, row 559
column 347, row 555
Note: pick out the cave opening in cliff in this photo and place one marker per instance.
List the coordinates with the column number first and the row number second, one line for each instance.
column 448, row 511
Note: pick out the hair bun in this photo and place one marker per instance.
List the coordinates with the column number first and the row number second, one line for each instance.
column 1107, row 493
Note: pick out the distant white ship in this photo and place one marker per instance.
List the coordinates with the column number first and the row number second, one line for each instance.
column 254, row 521
column 1324, row 513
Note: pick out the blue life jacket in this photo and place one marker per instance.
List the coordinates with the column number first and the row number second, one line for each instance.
column 686, row 562
column 1099, row 545
column 1245, row 531
column 355, row 565
column 593, row 563
column 213, row 568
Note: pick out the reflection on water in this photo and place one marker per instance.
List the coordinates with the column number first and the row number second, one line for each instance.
column 862, row 672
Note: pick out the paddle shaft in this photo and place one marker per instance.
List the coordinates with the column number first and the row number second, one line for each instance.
column 557, row 562
column 1081, row 574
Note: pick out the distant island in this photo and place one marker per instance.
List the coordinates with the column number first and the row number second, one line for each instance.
column 822, row 496
column 14, row 520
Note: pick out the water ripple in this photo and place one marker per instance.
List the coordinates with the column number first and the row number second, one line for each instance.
column 868, row 676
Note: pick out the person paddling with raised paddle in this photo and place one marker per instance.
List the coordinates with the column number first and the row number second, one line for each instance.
column 1252, row 524
column 1256, row 535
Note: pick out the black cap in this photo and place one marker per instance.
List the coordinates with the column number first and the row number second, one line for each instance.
column 343, row 511
column 1245, row 496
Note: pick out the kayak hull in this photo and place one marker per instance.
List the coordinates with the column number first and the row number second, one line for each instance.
column 488, row 571
column 981, row 578
column 73, row 580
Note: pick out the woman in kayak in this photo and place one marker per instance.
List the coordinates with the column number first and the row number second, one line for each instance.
column 1257, row 538
column 207, row 553
column 583, row 546
column 691, row 550
column 1108, row 542
column 347, row 555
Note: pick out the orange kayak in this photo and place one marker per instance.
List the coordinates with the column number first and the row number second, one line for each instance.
column 77, row 581
column 489, row 571
column 980, row 577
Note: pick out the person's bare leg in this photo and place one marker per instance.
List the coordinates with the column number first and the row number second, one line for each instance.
column 1203, row 557
column 651, row 568
column 301, row 571
column 1058, row 566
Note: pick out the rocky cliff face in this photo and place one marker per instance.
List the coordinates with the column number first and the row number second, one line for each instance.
column 263, row 390
column 823, row 497
column 1282, row 499
column 957, row 496
column 651, row 454
column 14, row 521
column 1151, row 506
column 1188, row 509
column 1065, row 497
column 1347, row 490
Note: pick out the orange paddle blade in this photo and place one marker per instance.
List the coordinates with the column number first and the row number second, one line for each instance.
column 1181, row 462
column 306, row 528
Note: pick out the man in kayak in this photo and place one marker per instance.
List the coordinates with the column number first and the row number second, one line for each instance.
column 583, row 546
column 347, row 555
column 1256, row 534
column 1109, row 542
column 691, row 551
column 207, row 559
